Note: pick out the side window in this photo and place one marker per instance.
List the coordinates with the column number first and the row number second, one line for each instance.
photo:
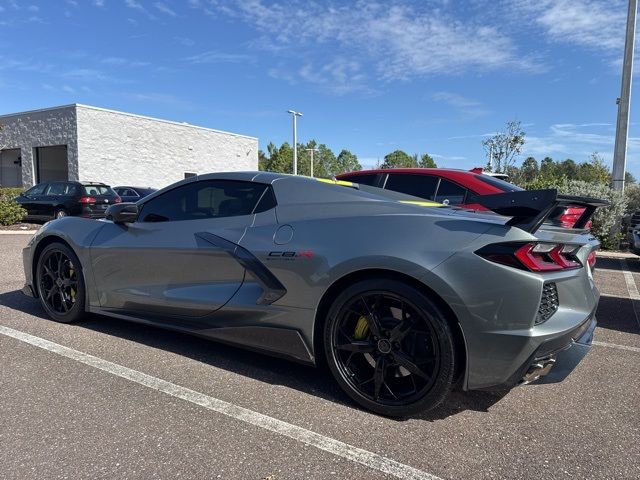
column 450, row 193
column 56, row 189
column 423, row 186
column 366, row 179
column 37, row 190
column 204, row 199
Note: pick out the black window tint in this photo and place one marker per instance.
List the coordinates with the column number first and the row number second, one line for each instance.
column 267, row 202
column 37, row 190
column 423, row 186
column 450, row 193
column 60, row 189
column 366, row 179
column 99, row 190
column 204, row 199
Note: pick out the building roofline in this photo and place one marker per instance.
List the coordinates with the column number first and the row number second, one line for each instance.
column 134, row 115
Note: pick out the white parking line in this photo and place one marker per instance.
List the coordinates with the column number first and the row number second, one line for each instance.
column 615, row 345
column 631, row 287
column 308, row 437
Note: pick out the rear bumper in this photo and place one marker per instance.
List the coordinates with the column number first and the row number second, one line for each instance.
column 568, row 359
column 555, row 359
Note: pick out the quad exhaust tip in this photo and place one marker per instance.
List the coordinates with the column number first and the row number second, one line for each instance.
column 537, row 370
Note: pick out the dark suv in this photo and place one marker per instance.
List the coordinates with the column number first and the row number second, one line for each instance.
column 49, row 200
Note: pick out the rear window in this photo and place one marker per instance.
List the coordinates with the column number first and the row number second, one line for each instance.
column 365, row 179
column 423, row 186
column 501, row 184
column 99, row 190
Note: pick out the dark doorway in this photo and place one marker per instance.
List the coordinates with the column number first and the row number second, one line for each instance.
column 10, row 168
column 52, row 164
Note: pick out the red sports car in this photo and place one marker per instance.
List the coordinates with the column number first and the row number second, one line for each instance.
column 449, row 186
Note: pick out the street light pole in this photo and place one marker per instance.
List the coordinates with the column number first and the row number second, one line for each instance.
column 295, row 116
column 312, row 150
column 622, row 124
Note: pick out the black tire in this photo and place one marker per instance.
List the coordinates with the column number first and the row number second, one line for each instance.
column 60, row 283
column 60, row 213
column 411, row 358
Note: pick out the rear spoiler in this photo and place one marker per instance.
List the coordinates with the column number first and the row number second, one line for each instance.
column 530, row 208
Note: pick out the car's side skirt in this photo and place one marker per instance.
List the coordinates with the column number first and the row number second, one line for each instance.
column 276, row 341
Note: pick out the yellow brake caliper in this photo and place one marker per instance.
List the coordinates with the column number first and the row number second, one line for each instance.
column 362, row 329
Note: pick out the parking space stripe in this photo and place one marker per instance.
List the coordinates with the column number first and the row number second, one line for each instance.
column 308, row 437
column 631, row 287
column 615, row 345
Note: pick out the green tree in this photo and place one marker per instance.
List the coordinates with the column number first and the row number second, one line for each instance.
column 347, row 162
column 427, row 161
column 262, row 160
column 503, row 148
column 629, row 179
column 570, row 169
column 280, row 160
column 529, row 170
column 399, row 159
column 595, row 171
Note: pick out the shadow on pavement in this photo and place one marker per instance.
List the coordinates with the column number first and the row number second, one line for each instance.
column 616, row 313
column 307, row 379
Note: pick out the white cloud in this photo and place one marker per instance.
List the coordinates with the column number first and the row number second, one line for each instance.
column 164, row 8
column 468, row 107
column 398, row 42
column 219, row 57
column 340, row 76
column 596, row 24
column 575, row 140
column 98, row 3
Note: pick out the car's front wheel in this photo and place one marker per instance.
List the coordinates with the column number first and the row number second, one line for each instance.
column 390, row 347
column 61, row 283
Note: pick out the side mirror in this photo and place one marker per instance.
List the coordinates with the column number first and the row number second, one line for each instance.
column 122, row 213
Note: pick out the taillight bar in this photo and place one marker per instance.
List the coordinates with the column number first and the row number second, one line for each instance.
column 87, row 200
column 533, row 256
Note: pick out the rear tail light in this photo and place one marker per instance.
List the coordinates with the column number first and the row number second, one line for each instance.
column 117, row 200
column 533, row 256
column 87, row 200
column 591, row 259
column 570, row 217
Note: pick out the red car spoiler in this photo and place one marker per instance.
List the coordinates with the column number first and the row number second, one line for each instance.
column 529, row 209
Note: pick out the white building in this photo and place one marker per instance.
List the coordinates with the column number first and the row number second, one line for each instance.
column 79, row 142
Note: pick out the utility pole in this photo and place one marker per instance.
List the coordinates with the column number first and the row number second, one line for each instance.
column 622, row 124
column 311, row 150
column 295, row 116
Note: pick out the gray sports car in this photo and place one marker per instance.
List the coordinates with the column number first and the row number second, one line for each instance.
column 403, row 299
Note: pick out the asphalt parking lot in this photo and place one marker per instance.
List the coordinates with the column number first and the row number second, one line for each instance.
column 110, row 399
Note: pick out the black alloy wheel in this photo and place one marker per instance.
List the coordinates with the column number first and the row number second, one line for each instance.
column 390, row 348
column 60, row 283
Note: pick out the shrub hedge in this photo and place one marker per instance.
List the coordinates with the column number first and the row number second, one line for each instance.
column 10, row 211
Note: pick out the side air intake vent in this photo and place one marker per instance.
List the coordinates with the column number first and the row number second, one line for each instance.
column 548, row 303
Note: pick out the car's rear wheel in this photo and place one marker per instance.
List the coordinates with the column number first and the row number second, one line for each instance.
column 60, row 213
column 390, row 347
column 61, row 283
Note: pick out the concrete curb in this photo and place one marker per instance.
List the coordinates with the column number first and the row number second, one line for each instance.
column 605, row 254
column 17, row 232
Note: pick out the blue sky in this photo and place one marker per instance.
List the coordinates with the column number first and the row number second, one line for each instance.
column 431, row 76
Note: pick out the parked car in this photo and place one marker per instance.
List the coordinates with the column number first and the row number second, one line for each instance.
column 133, row 194
column 49, row 200
column 389, row 290
column 452, row 187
